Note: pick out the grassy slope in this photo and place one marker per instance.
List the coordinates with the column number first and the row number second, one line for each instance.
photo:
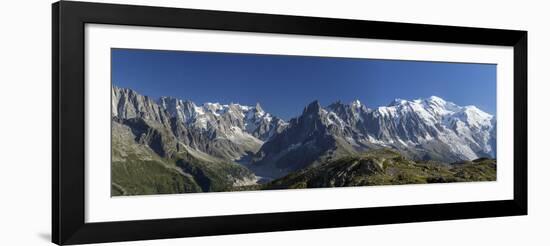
column 384, row 167
column 137, row 170
column 149, row 177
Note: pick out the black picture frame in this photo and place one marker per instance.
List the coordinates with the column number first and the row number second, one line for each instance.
column 68, row 122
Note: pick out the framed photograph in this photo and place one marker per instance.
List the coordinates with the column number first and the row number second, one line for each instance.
column 175, row 122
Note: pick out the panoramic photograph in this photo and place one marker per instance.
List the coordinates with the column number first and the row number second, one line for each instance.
column 191, row 122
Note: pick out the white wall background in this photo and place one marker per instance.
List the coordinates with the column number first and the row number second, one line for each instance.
column 25, row 62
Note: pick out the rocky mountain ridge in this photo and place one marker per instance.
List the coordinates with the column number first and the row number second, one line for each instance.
column 201, row 140
column 421, row 129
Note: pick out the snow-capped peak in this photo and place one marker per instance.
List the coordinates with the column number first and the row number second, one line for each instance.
column 214, row 116
column 356, row 103
column 258, row 107
column 466, row 129
column 474, row 117
column 397, row 101
column 215, row 108
column 436, row 99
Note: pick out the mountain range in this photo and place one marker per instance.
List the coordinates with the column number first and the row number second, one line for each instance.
column 213, row 146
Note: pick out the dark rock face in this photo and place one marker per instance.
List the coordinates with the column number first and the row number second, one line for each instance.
column 307, row 139
column 127, row 104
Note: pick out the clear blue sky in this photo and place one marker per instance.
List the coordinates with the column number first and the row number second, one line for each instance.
column 284, row 85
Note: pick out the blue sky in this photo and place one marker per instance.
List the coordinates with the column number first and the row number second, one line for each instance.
column 284, row 85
